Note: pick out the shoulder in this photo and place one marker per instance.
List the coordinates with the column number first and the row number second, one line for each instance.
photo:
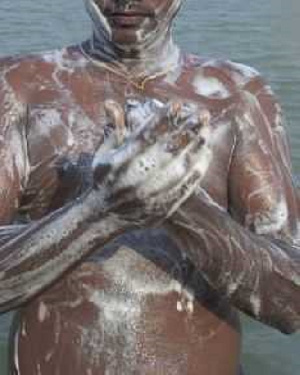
column 64, row 58
column 26, row 73
column 217, row 78
column 20, row 77
column 14, row 66
column 222, row 78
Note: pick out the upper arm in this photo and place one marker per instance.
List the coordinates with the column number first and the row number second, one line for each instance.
column 261, row 191
column 13, row 152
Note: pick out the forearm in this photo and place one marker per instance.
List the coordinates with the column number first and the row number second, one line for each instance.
column 37, row 256
column 142, row 181
column 260, row 277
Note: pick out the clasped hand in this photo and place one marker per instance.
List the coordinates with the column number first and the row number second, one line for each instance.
column 153, row 157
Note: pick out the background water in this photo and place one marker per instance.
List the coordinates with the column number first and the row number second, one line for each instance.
column 262, row 33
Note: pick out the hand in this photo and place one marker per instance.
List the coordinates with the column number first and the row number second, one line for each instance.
column 151, row 164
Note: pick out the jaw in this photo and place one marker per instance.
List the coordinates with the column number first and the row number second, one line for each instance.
column 141, row 51
column 137, row 40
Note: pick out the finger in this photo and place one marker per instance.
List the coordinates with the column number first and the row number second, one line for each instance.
column 174, row 112
column 204, row 117
column 191, row 156
column 139, row 113
column 182, row 192
column 174, row 187
column 180, row 140
column 182, row 178
column 180, row 112
column 116, row 116
column 165, row 121
column 170, row 154
column 114, row 131
column 150, row 150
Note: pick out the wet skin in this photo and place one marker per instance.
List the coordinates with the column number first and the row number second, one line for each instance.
column 159, row 300
column 165, row 318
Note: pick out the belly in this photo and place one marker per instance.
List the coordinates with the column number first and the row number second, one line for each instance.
column 136, row 310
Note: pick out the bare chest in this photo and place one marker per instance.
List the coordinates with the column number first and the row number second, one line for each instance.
column 66, row 128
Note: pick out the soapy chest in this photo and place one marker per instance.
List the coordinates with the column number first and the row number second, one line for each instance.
column 64, row 132
column 143, row 280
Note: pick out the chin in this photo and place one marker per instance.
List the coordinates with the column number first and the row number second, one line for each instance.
column 125, row 37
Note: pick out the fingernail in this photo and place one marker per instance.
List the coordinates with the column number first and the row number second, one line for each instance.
column 204, row 117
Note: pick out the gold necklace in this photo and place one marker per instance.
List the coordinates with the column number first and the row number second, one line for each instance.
column 128, row 77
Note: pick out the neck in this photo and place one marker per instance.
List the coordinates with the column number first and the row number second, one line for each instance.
column 137, row 61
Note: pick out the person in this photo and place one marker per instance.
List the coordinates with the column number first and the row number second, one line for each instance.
column 146, row 196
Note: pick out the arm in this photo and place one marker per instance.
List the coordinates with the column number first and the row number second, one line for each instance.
column 252, row 255
column 33, row 256
column 130, row 189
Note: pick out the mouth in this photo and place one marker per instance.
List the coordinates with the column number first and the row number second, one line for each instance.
column 127, row 19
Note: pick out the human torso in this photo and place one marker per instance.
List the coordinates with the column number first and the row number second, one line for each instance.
column 141, row 308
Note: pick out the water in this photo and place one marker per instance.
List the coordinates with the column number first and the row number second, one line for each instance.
column 261, row 33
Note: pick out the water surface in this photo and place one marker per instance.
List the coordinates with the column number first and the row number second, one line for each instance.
column 262, row 33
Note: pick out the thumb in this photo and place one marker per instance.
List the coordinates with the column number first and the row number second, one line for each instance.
column 116, row 116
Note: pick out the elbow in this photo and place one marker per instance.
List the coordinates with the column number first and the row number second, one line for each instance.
column 287, row 326
column 289, row 329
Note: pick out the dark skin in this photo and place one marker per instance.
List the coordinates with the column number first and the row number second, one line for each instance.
column 161, row 300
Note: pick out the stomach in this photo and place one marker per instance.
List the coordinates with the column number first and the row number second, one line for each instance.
column 135, row 310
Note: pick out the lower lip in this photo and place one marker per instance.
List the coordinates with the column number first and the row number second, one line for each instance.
column 127, row 21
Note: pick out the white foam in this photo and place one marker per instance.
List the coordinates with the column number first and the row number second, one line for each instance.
column 210, row 87
column 255, row 304
column 271, row 221
column 42, row 312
